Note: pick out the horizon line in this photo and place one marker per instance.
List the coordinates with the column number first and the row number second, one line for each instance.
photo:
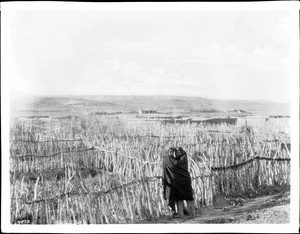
column 153, row 95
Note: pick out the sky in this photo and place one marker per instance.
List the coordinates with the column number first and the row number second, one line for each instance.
column 210, row 54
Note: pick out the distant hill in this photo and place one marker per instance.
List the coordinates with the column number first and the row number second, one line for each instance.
column 67, row 102
column 21, row 101
column 117, row 102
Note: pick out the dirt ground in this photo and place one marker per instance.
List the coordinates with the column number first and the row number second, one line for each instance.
column 269, row 205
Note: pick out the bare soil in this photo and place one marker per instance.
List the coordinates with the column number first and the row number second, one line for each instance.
column 269, row 205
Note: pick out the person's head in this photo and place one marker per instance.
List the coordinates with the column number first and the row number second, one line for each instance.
column 171, row 151
column 179, row 152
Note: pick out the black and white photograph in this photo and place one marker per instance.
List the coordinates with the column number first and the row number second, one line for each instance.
column 150, row 117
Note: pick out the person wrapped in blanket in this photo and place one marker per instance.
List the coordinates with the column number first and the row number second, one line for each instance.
column 177, row 183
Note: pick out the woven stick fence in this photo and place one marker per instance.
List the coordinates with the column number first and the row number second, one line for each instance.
column 42, row 142
column 153, row 178
column 142, row 198
column 71, row 182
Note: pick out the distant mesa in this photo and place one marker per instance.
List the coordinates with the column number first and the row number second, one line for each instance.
column 58, row 102
column 178, row 100
column 144, row 106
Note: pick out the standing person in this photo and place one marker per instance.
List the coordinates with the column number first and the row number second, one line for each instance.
column 177, row 183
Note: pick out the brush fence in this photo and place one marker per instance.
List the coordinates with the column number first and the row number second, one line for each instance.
column 102, row 186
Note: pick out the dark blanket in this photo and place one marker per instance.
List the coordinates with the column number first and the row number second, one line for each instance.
column 177, row 182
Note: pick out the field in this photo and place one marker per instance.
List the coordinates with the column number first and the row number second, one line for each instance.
column 104, row 169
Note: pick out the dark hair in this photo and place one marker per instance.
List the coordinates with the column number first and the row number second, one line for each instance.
column 179, row 150
column 171, row 150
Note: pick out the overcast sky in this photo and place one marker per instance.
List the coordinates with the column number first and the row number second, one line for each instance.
column 210, row 54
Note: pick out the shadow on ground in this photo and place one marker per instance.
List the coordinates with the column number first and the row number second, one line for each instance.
column 266, row 205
